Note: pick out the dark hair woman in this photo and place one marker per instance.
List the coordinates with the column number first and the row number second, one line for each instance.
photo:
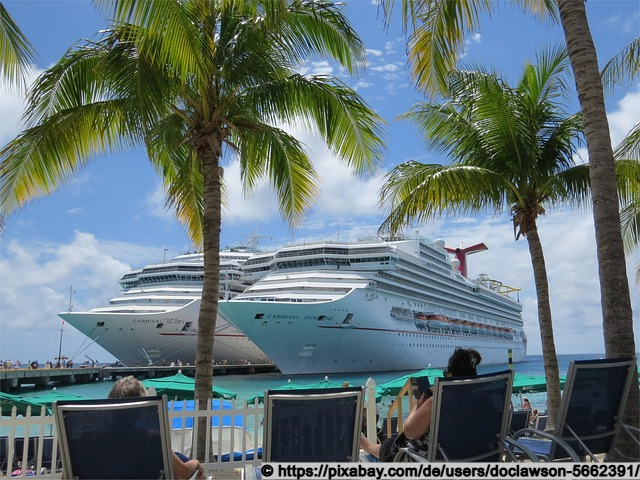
column 462, row 363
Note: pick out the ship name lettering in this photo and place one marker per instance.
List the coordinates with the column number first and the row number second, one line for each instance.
column 283, row 317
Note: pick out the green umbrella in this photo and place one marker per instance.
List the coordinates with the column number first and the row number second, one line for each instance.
column 287, row 386
column 53, row 396
column 8, row 401
column 182, row 387
column 523, row 383
column 392, row 387
column 326, row 383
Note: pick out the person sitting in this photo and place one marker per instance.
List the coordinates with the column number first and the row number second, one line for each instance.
column 183, row 467
column 533, row 418
column 462, row 363
column 525, row 404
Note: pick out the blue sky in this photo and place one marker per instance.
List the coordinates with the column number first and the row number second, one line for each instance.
column 111, row 216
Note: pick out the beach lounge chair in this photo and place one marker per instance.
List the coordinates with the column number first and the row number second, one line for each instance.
column 469, row 420
column 119, row 438
column 519, row 420
column 317, row 425
column 541, row 422
column 589, row 416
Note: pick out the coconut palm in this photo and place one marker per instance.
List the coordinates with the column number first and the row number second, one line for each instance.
column 621, row 70
column 511, row 149
column 437, row 37
column 16, row 52
column 198, row 83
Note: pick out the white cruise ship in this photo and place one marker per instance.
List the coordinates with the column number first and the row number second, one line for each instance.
column 374, row 305
column 156, row 316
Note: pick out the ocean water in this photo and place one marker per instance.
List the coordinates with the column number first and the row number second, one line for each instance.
column 249, row 385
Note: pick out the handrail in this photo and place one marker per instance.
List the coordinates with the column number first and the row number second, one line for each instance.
column 407, row 389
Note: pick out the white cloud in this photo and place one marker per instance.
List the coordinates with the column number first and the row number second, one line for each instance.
column 373, row 52
column 35, row 288
column 12, row 104
column 321, row 68
column 625, row 116
column 389, row 67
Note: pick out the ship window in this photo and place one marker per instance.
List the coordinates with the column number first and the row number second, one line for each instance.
column 160, row 325
column 99, row 324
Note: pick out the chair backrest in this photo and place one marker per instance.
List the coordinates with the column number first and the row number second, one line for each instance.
column 592, row 402
column 541, row 422
column 119, row 438
column 313, row 425
column 469, row 418
column 4, row 454
column 519, row 420
column 19, row 458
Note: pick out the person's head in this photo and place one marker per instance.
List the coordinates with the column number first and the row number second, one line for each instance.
column 463, row 363
column 525, row 400
column 128, row 387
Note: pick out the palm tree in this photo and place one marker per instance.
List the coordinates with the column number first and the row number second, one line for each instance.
column 511, row 149
column 198, row 82
column 622, row 69
column 437, row 37
column 16, row 52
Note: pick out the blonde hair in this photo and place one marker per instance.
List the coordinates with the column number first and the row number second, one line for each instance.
column 127, row 387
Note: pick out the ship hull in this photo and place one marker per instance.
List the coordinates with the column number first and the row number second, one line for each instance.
column 171, row 335
column 315, row 337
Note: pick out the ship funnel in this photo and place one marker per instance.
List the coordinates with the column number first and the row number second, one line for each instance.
column 461, row 255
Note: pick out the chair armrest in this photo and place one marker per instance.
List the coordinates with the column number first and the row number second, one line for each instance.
column 634, row 434
column 406, row 454
column 511, row 445
column 548, row 436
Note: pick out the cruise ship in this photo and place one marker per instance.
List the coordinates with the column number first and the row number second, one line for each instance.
column 374, row 305
column 155, row 319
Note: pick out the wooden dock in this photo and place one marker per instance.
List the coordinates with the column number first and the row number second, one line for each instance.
column 13, row 379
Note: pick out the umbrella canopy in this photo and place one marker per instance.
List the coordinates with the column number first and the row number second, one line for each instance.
column 8, row 401
column 326, row 383
column 53, row 396
column 392, row 387
column 216, row 404
column 523, row 383
column 287, row 386
column 182, row 387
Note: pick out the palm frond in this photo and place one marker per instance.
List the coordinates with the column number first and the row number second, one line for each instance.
column 630, row 146
column 336, row 112
column 282, row 158
column 622, row 68
column 415, row 192
column 16, row 52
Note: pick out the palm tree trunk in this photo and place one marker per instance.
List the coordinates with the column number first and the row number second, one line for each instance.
column 549, row 355
column 614, row 286
column 212, row 200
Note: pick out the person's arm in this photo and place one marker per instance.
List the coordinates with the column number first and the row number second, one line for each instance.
column 419, row 419
column 186, row 470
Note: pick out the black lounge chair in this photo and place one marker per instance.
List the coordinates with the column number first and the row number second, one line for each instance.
column 469, row 420
column 119, row 438
column 519, row 420
column 589, row 416
column 317, row 425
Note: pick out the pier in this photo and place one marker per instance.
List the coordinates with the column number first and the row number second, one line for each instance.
column 13, row 379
